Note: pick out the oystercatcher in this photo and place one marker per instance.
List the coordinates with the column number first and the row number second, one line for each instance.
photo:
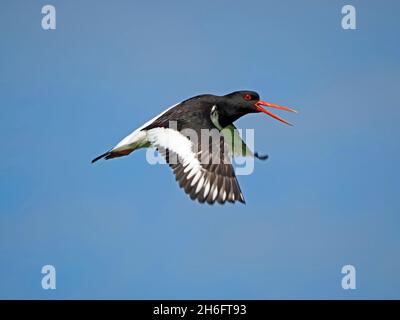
column 204, row 174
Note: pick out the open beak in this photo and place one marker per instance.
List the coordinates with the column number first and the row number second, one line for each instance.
column 261, row 103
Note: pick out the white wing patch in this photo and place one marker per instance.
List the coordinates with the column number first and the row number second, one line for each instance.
column 172, row 140
column 198, row 181
column 138, row 137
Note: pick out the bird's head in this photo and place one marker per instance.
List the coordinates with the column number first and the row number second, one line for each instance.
column 239, row 103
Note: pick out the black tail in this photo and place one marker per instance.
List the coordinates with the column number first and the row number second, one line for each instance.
column 101, row 157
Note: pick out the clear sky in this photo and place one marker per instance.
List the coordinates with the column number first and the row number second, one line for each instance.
column 327, row 196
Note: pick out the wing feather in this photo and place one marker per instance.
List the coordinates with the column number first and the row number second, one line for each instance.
column 204, row 175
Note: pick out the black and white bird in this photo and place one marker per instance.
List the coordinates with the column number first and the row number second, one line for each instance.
column 205, row 174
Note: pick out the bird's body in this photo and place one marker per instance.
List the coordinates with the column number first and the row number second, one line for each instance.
column 201, row 165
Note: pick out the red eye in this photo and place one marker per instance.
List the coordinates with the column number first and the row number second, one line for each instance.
column 247, row 97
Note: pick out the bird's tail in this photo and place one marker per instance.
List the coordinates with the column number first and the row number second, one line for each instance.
column 104, row 155
column 113, row 154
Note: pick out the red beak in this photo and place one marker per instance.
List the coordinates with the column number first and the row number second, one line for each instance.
column 271, row 105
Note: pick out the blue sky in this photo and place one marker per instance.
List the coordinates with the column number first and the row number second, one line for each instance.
column 328, row 196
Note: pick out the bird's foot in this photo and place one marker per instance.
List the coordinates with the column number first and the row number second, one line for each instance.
column 261, row 157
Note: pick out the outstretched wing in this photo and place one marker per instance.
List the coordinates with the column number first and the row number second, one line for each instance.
column 237, row 147
column 205, row 173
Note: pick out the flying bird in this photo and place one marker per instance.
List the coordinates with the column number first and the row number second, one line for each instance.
column 204, row 174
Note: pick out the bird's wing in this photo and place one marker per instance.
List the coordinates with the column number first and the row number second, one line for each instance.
column 237, row 147
column 135, row 140
column 206, row 175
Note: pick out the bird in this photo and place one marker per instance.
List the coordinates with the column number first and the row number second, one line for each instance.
column 204, row 174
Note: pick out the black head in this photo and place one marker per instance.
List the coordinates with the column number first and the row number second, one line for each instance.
column 238, row 103
column 243, row 100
